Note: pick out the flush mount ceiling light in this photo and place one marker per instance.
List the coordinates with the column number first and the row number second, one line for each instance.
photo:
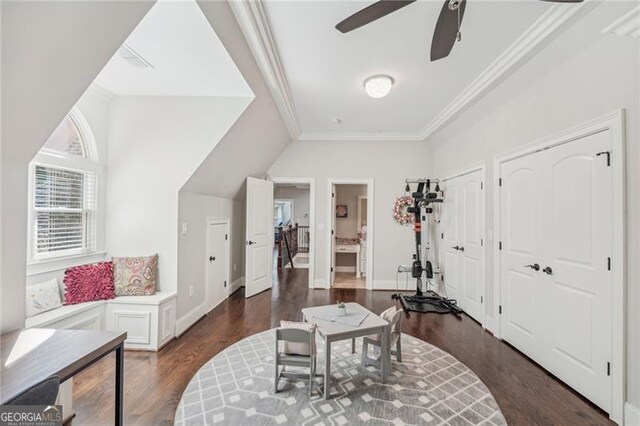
column 378, row 86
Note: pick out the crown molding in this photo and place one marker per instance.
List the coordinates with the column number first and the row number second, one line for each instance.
column 547, row 27
column 253, row 22
column 627, row 25
column 252, row 19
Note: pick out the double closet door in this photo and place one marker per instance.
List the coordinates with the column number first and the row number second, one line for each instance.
column 555, row 233
column 462, row 251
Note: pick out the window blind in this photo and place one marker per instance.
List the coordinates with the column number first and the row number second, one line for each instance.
column 64, row 209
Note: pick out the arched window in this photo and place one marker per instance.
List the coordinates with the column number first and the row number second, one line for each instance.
column 62, row 203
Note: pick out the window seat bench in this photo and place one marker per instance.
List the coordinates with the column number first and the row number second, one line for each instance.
column 148, row 320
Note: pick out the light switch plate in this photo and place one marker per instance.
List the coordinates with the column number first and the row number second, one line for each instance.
column 184, row 228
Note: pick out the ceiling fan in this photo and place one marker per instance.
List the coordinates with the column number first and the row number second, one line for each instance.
column 447, row 30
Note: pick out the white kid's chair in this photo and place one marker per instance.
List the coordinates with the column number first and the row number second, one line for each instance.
column 295, row 347
column 395, row 320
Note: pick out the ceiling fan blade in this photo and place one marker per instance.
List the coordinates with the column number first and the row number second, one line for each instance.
column 446, row 32
column 370, row 13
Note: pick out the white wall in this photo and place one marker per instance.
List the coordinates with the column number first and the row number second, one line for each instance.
column 388, row 163
column 581, row 76
column 155, row 144
column 257, row 138
column 195, row 210
column 301, row 202
column 45, row 70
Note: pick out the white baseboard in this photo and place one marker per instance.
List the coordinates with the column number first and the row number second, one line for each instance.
column 346, row 269
column 392, row 285
column 235, row 286
column 631, row 415
column 320, row 283
column 186, row 321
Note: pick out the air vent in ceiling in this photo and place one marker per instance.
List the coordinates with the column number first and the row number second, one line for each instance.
column 132, row 57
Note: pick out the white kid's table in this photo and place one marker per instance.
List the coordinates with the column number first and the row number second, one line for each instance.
column 332, row 332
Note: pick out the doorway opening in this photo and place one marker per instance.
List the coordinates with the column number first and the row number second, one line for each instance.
column 350, row 247
column 293, row 224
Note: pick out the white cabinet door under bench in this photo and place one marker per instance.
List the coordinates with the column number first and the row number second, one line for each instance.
column 148, row 320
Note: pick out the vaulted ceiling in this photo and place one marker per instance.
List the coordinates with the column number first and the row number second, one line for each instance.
column 173, row 52
column 317, row 73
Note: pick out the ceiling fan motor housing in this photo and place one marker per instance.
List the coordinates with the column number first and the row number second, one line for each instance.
column 454, row 4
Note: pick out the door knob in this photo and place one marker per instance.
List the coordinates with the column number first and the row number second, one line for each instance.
column 461, row 248
column 535, row 267
column 250, row 242
column 548, row 270
column 211, row 258
column 456, row 248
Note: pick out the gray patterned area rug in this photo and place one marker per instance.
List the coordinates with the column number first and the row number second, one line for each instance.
column 430, row 387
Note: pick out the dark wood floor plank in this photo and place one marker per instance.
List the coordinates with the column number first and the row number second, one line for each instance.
column 154, row 382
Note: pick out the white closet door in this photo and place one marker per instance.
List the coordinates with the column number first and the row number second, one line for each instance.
column 577, row 208
column 471, row 270
column 521, row 199
column 462, row 251
column 452, row 237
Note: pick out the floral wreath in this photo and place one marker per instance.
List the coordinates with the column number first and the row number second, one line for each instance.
column 400, row 213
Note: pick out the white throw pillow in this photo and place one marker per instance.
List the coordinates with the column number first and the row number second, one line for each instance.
column 292, row 348
column 389, row 313
column 43, row 297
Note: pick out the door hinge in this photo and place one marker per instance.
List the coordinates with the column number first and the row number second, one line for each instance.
column 332, row 269
column 333, row 195
column 332, row 232
column 481, row 185
column 481, row 242
column 226, row 237
column 608, row 368
column 608, row 154
column 481, row 299
column 225, row 283
column 442, row 278
column 499, row 181
column 608, row 263
column 500, row 245
column 442, row 236
column 500, row 309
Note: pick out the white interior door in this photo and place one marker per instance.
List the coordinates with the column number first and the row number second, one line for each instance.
column 259, row 236
column 577, row 246
column 521, row 200
column 556, row 211
column 451, row 234
column 463, row 250
column 333, row 235
column 471, row 250
column 217, row 263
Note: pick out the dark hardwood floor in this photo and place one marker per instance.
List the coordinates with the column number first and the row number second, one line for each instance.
column 154, row 382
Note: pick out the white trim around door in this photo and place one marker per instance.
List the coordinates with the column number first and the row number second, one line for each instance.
column 312, row 218
column 614, row 123
column 227, row 224
column 370, row 224
column 483, row 235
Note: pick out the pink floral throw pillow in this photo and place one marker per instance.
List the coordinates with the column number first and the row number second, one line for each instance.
column 135, row 276
column 87, row 283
